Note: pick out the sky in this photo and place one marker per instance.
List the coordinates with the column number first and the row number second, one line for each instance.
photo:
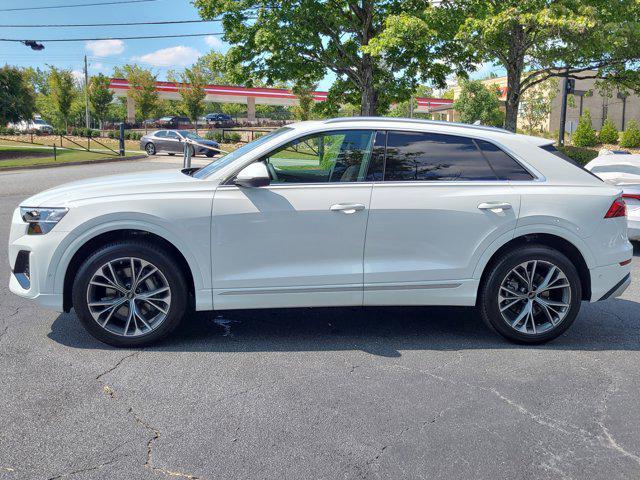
column 160, row 55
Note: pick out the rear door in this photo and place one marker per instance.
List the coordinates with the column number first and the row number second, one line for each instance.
column 439, row 205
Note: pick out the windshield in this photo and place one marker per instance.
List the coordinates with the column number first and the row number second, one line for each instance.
column 230, row 157
column 190, row 135
column 39, row 121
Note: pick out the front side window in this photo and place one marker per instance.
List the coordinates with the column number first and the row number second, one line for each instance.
column 432, row 156
column 172, row 134
column 160, row 134
column 339, row 156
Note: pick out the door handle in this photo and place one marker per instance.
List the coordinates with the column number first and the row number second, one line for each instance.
column 494, row 206
column 347, row 207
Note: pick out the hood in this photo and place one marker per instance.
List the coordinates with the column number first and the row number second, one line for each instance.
column 124, row 184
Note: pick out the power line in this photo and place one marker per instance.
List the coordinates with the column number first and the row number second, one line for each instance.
column 118, row 2
column 111, row 38
column 109, row 24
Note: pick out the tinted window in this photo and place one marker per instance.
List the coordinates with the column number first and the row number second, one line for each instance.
column 172, row 134
column 505, row 167
column 341, row 156
column 432, row 156
column 161, row 134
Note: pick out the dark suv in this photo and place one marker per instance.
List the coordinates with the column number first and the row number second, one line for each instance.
column 173, row 122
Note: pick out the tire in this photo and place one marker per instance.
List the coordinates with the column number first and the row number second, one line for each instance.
column 210, row 154
column 150, row 148
column 529, row 313
column 170, row 154
column 152, row 319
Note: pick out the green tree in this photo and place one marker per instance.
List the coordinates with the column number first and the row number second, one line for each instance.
column 142, row 88
column 100, row 97
column 532, row 40
column 192, row 92
column 17, row 98
column 304, row 92
column 608, row 132
column 477, row 102
column 62, row 92
column 630, row 138
column 535, row 107
column 585, row 135
column 300, row 40
column 234, row 109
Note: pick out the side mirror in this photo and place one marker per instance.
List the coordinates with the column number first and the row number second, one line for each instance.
column 254, row 175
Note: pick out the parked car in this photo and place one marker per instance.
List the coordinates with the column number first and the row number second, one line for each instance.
column 173, row 141
column 622, row 169
column 173, row 122
column 150, row 122
column 37, row 125
column 219, row 119
column 342, row 212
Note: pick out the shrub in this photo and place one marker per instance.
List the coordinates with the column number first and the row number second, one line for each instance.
column 232, row 137
column 630, row 138
column 112, row 134
column 581, row 155
column 608, row 132
column 585, row 135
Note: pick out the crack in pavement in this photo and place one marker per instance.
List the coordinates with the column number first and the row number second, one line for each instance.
column 586, row 436
column 155, row 433
column 88, row 469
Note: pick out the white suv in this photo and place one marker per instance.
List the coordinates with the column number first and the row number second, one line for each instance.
column 361, row 211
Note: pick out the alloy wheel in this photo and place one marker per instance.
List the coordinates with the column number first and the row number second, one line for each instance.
column 534, row 297
column 151, row 150
column 129, row 297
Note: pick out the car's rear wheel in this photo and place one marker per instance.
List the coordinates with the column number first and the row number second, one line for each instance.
column 531, row 295
column 129, row 294
column 150, row 148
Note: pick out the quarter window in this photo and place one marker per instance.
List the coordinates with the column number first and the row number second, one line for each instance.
column 338, row 156
column 432, row 156
column 506, row 168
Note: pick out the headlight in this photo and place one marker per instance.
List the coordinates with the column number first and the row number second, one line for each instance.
column 41, row 220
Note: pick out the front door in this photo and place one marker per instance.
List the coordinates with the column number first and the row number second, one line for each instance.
column 300, row 240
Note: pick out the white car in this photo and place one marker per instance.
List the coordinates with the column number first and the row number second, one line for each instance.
column 36, row 125
column 358, row 211
column 622, row 170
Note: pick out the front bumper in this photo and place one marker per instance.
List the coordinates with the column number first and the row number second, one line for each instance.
column 40, row 250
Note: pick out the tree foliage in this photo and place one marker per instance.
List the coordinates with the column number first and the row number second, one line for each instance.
column 478, row 102
column 536, row 105
column 585, row 135
column 532, row 40
column 301, row 40
column 62, row 93
column 192, row 92
column 142, row 88
column 17, row 98
column 100, row 97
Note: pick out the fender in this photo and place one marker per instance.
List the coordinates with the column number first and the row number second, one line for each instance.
column 530, row 229
column 96, row 226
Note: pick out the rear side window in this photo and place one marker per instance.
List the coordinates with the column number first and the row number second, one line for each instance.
column 432, row 156
column 505, row 167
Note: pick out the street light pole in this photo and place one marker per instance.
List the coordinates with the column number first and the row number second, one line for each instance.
column 563, row 107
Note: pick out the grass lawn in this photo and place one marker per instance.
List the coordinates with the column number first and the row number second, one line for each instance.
column 23, row 157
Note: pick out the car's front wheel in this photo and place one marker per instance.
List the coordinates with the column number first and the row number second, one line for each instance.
column 531, row 295
column 129, row 294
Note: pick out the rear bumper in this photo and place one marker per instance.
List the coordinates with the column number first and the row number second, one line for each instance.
column 610, row 281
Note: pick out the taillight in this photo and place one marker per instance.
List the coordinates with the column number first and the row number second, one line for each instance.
column 617, row 209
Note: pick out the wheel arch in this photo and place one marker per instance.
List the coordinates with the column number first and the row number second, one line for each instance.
column 91, row 243
column 561, row 244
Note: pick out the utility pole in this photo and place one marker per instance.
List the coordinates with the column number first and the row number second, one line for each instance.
column 86, row 93
column 568, row 86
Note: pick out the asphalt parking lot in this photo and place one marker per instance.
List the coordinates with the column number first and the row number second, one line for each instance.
column 313, row 393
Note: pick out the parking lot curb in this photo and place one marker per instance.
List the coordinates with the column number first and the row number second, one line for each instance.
column 69, row 164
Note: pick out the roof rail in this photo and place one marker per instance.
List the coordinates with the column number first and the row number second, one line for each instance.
column 416, row 120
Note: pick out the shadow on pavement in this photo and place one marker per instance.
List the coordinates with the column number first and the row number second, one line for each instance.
column 384, row 331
